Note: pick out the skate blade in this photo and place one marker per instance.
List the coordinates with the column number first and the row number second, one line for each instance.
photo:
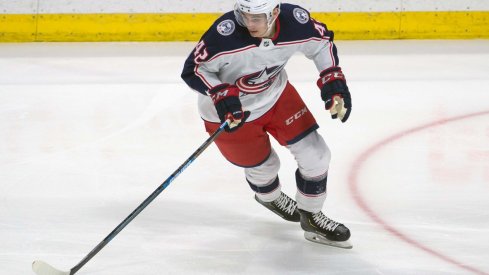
column 313, row 237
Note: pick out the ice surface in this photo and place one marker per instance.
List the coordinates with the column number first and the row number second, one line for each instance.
column 89, row 130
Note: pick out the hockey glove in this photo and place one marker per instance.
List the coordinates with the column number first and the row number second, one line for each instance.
column 335, row 93
column 228, row 105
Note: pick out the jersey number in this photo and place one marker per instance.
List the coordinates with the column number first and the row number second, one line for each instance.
column 200, row 53
column 320, row 28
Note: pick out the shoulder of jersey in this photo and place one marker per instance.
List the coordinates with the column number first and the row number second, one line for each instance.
column 226, row 35
column 295, row 23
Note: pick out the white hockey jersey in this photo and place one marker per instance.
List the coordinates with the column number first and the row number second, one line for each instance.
column 227, row 53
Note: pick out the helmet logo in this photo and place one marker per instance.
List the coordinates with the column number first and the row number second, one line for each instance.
column 301, row 15
column 226, row 27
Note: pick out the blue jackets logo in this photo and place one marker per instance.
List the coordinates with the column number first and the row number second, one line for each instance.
column 226, row 27
column 260, row 81
column 301, row 15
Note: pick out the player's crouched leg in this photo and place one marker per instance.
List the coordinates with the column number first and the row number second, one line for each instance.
column 264, row 181
column 313, row 157
column 263, row 178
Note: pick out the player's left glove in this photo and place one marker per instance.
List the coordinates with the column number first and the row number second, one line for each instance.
column 335, row 93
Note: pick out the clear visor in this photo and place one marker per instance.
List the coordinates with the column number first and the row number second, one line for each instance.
column 249, row 19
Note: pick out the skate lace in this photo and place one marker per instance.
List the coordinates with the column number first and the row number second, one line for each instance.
column 325, row 222
column 286, row 204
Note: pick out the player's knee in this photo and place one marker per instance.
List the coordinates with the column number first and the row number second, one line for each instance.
column 324, row 155
column 313, row 155
column 266, row 172
column 321, row 157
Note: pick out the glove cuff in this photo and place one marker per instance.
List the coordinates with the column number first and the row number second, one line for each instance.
column 221, row 91
column 329, row 70
column 329, row 75
column 217, row 88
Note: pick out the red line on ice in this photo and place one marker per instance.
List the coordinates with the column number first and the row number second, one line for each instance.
column 354, row 183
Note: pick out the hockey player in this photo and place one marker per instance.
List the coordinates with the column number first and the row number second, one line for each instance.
column 238, row 70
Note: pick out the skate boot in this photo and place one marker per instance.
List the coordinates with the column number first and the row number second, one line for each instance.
column 284, row 206
column 321, row 229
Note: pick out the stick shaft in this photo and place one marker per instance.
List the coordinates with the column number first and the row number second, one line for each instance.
column 149, row 199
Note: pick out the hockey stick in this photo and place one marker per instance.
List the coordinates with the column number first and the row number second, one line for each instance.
column 42, row 268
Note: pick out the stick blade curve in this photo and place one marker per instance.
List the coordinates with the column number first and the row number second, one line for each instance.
column 43, row 268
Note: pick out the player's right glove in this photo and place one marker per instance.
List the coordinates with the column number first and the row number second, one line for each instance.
column 228, row 106
column 335, row 93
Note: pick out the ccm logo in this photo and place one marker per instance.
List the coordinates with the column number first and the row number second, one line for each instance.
column 296, row 116
column 219, row 95
column 332, row 76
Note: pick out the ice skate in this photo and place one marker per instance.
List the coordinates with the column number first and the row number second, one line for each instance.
column 283, row 206
column 320, row 229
